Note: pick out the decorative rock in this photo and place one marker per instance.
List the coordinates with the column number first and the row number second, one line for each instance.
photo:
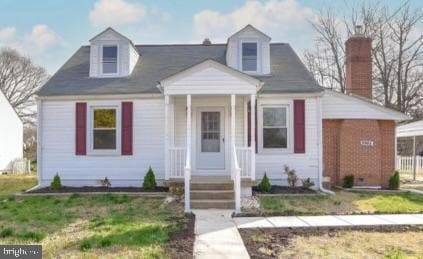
column 250, row 202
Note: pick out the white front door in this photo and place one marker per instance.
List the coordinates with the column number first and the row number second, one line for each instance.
column 210, row 139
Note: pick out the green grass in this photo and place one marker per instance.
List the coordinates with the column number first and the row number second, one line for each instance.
column 11, row 184
column 342, row 203
column 89, row 226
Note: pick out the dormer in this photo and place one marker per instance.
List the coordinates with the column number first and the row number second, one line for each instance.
column 248, row 50
column 112, row 55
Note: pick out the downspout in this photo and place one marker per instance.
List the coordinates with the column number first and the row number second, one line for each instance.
column 320, row 146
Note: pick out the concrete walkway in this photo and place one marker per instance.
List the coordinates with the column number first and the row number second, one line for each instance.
column 216, row 235
column 329, row 221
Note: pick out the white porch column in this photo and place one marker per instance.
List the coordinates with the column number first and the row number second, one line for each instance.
column 187, row 176
column 166, row 138
column 236, row 171
column 233, row 103
column 253, row 136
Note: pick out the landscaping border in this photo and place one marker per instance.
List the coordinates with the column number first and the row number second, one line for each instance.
column 66, row 194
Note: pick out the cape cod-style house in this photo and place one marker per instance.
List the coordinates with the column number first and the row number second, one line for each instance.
column 214, row 117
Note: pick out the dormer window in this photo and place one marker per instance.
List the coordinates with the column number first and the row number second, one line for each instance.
column 249, row 56
column 110, row 59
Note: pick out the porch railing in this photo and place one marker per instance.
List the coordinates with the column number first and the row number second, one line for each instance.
column 244, row 161
column 410, row 166
column 236, row 172
column 177, row 160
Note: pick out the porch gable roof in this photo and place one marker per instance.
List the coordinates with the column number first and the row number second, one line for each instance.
column 209, row 77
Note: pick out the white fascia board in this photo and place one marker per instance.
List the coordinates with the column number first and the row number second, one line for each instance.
column 99, row 97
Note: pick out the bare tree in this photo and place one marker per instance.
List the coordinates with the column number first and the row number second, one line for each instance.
column 397, row 53
column 20, row 78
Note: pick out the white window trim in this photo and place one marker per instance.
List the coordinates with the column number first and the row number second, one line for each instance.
column 258, row 70
column 90, row 131
column 290, row 130
column 117, row 60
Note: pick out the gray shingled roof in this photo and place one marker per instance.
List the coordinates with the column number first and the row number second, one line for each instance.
column 288, row 74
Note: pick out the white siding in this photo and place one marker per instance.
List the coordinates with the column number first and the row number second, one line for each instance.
column 58, row 147
column 341, row 106
column 410, row 129
column 306, row 165
column 11, row 134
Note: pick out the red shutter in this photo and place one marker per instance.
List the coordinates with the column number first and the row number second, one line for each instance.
column 81, row 129
column 299, row 126
column 249, row 125
column 127, row 124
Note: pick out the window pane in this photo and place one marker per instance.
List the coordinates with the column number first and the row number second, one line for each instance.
column 249, row 49
column 210, row 142
column 105, row 118
column 104, row 139
column 249, row 64
column 249, row 56
column 274, row 138
column 274, row 117
column 110, row 52
column 210, row 132
column 110, row 68
column 110, row 59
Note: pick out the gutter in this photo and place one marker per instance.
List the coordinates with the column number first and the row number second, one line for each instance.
column 320, row 147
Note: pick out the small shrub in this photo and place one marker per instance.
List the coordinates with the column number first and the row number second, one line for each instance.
column 105, row 183
column 265, row 185
column 149, row 180
column 6, row 232
column 292, row 176
column 348, row 181
column 56, row 184
column 85, row 245
column 307, row 183
column 394, row 181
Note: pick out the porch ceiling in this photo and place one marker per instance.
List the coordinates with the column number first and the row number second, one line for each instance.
column 210, row 78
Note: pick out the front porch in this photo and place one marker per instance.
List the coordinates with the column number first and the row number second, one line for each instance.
column 207, row 148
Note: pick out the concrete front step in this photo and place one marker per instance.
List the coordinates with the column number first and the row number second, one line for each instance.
column 213, row 204
column 211, row 186
column 212, row 195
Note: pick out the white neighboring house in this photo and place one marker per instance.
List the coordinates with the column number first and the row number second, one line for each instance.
column 11, row 135
column 216, row 114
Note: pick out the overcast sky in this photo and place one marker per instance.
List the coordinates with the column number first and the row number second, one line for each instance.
column 50, row 31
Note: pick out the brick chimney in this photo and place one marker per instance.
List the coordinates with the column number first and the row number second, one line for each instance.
column 359, row 64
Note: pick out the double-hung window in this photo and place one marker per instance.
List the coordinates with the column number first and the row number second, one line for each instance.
column 249, row 56
column 110, row 59
column 104, row 129
column 275, row 128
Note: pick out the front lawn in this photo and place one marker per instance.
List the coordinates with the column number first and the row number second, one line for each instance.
column 102, row 226
column 342, row 203
column 11, row 184
column 396, row 242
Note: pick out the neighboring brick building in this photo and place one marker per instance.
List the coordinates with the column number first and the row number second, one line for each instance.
column 358, row 136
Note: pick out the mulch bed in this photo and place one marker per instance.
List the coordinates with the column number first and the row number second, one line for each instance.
column 277, row 189
column 68, row 189
column 280, row 238
column 181, row 244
